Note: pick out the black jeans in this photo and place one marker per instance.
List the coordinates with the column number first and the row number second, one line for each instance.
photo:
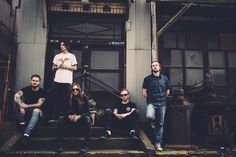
column 83, row 123
column 61, row 99
column 129, row 122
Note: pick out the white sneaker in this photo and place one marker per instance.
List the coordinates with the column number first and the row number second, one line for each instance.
column 158, row 147
column 22, row 123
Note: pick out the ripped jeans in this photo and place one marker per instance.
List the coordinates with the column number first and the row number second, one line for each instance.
column 156, row 113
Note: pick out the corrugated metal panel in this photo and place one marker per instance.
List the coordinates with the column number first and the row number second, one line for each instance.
column 32, row 42
column 138, row 56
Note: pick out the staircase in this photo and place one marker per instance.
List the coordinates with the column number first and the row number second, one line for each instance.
column 43, row 144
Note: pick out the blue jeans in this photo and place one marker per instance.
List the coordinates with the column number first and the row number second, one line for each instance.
column 32, row 122
column 156, row 112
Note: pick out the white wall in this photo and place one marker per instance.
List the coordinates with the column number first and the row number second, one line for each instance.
column 32, row 41
column 138, row 58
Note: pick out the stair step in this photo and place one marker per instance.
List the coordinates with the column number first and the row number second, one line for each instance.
column 73, row 132
column 94, row 153
column 76, row 143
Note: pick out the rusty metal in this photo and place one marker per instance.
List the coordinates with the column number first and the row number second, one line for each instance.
column 173, row 19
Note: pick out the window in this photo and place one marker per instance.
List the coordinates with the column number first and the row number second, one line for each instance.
column 188, row 65
column 216, row 59
column 193, row 58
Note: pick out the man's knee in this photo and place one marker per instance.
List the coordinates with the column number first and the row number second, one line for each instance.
column 108, row 111
column 159, row 125
column 87, row 119
column 61, row 119
column 37, row 110
column 150, row 114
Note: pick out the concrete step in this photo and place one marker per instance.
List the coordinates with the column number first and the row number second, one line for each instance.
column 76, row 143
column 51, row 131
column 91, row 153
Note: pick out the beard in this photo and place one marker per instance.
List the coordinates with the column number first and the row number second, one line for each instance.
column 155, row 71
column 35, row 86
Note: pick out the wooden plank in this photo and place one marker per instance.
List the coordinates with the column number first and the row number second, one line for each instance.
column 154, row 29
column 150, row 149
column 9, row 144
column 173, row 19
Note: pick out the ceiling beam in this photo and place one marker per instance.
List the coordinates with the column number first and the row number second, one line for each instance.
column 173, row 19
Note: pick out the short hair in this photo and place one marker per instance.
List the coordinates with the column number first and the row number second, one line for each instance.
column 35, row 75
column 156, row 62
column 124, row 89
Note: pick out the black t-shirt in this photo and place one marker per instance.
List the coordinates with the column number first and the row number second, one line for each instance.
column 32, row 97
column 124, row 108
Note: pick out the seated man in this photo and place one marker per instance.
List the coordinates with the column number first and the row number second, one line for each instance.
column 30, row 107
column 78, row 117
column 123, row 114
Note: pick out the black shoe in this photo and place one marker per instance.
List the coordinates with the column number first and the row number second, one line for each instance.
column 133, row 134
column 84, row 150
column 60, row 149
column 25, row 139
column 106, row 136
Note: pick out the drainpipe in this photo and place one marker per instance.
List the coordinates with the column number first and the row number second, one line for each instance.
column 154, row 30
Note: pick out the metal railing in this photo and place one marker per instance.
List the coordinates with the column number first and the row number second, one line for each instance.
column 86, row 78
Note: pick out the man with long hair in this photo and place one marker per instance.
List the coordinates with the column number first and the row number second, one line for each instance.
column 78, row 116
column 64, row 64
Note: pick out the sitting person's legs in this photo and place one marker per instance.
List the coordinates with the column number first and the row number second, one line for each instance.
column 35, row 114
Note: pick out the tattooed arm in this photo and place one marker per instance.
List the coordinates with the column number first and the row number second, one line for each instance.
column 21, row 103
column 40, row 102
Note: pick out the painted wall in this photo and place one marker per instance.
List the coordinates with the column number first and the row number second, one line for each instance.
column 32, row 41
column 138, row 50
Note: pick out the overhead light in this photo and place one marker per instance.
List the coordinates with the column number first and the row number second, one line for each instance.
column 86, row 7
column 106, row 8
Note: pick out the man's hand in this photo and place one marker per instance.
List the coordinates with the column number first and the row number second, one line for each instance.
column 119, row 116
column 77, row 117
column 22, row 111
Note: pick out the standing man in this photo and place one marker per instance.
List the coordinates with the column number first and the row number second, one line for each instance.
column 156, row 88
column 30, row 100
column 64, row 64
column 122, row 115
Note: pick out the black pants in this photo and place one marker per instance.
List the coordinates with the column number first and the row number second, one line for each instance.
column 83, row 123
column 61, row 99
column 129, row 122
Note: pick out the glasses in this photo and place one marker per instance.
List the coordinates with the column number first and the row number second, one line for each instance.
column 123, row 95
column 75, row 89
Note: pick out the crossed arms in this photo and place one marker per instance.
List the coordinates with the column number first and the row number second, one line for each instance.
column 23, row 105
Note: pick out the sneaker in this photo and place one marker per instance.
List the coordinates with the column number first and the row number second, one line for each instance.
column 52, row 121
column 22, row 123
column 106, row 135
column 84, row 150
column 25, row 139
column 60, row 149
column 132, row 134
column 158, row 147
column 153, row 124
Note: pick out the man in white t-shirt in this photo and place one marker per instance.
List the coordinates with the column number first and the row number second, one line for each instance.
column 64, row 64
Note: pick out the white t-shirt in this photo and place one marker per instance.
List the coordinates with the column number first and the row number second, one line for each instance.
column 64, row 75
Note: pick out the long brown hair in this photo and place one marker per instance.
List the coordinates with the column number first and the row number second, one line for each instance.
column 79, row 96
